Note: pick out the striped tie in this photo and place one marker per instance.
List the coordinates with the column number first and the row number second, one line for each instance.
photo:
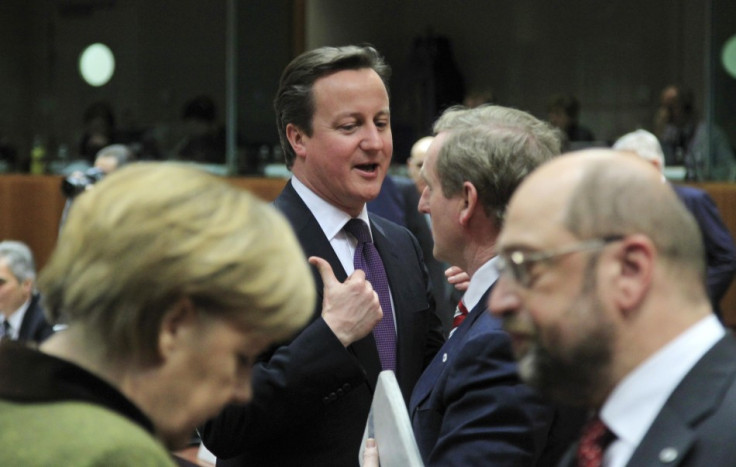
column 460, row 313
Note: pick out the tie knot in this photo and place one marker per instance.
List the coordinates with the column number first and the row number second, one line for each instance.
column 359, row 230
column 594, row 440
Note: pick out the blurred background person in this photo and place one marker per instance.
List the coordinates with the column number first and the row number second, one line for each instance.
column 563, row 111
column 416, row 160
column 171, row 282
column 685, row 138
column 720, row 251
column 20, row 304
column 99, row 130
column 204, row 139
column 108, row 159
column 113, row 157
column 479, row 97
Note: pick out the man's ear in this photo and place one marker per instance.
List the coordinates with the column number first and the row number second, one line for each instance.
column 636, row 269
column 176, row 325
column 469, row 202
column 296, row 138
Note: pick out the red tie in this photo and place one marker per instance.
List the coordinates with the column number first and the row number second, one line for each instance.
column 595, row 439
column 460, row 313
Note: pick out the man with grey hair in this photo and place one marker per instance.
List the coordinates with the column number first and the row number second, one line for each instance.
column 601, row 288
column 720, row 251
column 113, row 157
column 469, row 406
column 20, row 308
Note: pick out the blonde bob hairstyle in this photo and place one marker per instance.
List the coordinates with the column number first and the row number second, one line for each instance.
column 150, row 234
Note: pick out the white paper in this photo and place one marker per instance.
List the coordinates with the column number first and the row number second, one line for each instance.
column 388, row 422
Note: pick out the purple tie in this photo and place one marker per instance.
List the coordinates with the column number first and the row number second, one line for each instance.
column 367, row 258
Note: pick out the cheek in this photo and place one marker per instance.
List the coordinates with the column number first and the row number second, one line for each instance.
column 388, row 144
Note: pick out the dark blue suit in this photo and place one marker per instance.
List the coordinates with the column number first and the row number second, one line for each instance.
column 311, row 396
column 469, row 406
column 720, row 250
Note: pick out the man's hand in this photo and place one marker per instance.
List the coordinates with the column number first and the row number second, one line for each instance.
column 458, row 278
column 370, row 455
column 351, row 309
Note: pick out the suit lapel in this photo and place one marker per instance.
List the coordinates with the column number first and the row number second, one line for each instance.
column 314, row 243
column 308, row 231
column 444, row 358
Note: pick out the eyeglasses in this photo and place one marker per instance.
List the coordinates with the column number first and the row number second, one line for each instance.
column 517, row 265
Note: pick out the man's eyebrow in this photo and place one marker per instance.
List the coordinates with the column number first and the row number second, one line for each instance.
column 515, row 247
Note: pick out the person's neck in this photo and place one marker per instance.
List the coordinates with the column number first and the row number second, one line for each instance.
column 72, row 344
column 476, row 254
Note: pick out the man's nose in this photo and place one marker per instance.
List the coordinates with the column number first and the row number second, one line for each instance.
column 372, row 139
column 423, row 206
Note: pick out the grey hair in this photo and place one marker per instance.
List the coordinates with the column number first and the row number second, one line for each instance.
column 19, row 259
column 494, row 148
column 643, row 144
column 122, row 153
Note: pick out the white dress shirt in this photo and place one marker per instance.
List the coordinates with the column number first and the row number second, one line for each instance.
column 637, row 400
column 483, row 278
column 332, row 220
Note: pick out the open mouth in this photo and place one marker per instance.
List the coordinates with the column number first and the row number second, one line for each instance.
column 367, row 167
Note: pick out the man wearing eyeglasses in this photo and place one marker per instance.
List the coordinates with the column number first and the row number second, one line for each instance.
column 469, row 406
column 602, row 290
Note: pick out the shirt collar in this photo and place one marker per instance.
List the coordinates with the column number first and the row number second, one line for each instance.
column 330, row 218
column 635, row 402
column 483, row 278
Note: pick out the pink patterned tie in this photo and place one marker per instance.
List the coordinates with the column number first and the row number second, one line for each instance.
column 367, row 258
column 595, row 439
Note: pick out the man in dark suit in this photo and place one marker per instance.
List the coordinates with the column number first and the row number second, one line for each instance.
column 469, row 406
column 720, row 251
column 311, row 396
column 602, row 291
column 21, row 315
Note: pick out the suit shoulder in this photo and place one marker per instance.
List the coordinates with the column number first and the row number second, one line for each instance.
column 690, row 192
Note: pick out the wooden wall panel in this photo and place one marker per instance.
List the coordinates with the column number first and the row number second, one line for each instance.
column 31, row 207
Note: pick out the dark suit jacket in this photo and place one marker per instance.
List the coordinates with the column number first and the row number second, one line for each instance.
column 695, row 426
column 34, row 326
column 720, row 250
column 311, row 396
column 469, row 406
